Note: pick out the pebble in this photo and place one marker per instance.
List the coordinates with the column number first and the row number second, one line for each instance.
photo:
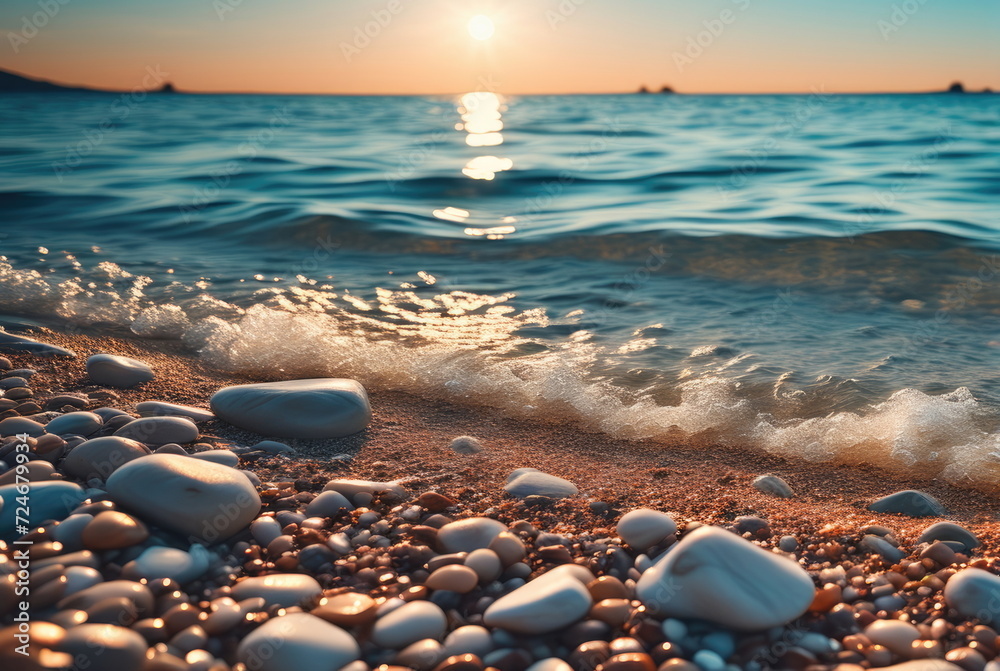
column 454, row 578
column 278, row 589
column 880, row 546
column 50, row 500
column 469, row 640
column 923, row 665
column 162, row 409
column 408, row 624
column 643, row 528
column 545, row 604
column 328, row 504
column 104, row 647
column 224, row 457
column 350, row 609
column 909, row 502
column 470, row 534
column 113, row 530
column 945, row 531
column 466, row 445
column 974, row 593
column 717, row 576
column 772, row 484
column 486, row 563
column 158, row 563
column 12, row 343
column 550, row 664
column 137, row 593
column 297, row 641
column 205, row 501
column 354, row 488
column 895, row 635
column 316, row 408
column 100, row 457
column 76, row 423
column 13, row 426
column 525, row 482
column 111, row 370
column 34, row 471
column 160, row 430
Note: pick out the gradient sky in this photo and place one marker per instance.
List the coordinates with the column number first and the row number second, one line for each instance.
column 540, row 46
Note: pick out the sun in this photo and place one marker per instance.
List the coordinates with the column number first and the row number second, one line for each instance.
column 481, row 27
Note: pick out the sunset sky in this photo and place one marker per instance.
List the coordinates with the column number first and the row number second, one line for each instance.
column 538, row 46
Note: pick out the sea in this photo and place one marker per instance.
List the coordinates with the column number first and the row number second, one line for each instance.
column 814, row 276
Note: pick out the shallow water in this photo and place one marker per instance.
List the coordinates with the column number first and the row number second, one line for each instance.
column 814, row 275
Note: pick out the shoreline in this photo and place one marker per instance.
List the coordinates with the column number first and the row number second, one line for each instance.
column 691, row 477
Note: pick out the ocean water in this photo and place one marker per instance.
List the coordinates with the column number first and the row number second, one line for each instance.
column 814, row 275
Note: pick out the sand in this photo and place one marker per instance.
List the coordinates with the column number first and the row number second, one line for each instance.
column 692, row 478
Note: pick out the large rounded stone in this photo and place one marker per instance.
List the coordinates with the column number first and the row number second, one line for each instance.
column 297, row 641
column 717, row 576
column 469, row 534
column 317, row 408
column 117, row 371
column 160, row 430
column 949, row 531
column 50, row 500
column 100, row 457
column 205, row 501
column 543, row 605
column 974, row 593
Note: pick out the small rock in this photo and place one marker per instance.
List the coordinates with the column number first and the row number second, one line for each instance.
column 159, row 563
column 50, row 500
column 278, row 589
column 453, row 578
column 117, row 371
column 113, row 530
column 895, row 635
column 941, row 531
column 328, row 504
column 297, row 641
column 17, row 344
column 350, row 609
column 772, row 484
column 75, row 423
column 909, row 502
column 643, row 528
column 525, row 482
column 160, row 430
column 224, row 457
column 13, row 426
column 408, row 624
column 162, row 409
column 545, row 604
column 317, row 408
column 717, row 576
column 974, row 593
column 104, row 647
column 880, row 546
column 466, row 445
column 469, row 534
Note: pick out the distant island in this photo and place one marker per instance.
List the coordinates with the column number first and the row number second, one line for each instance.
column 12, row 82
column 955, row 87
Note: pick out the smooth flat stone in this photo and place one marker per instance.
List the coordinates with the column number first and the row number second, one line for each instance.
column 880, row 546
column 772, row 484
column 205, row 501
column 297, row 641
column 543, row 605
column 348, row 609
column 160, row 430
column 160, row 562
column 411, row 622
column 949, row 531
column 909, row 502
column 111, row 370
column 272, row 447
column 328, row 504
column 13, row 426
column 717, row 576
column 13, row 344
column 525, row 482
column 104, row 647
column 643, row 528
column 974, row 593
column 100, row 457
column 50, row 500
column 75, row 423
column 316, row 408
column 469, row 534
column 278, row 589
column 224, row 457
column 163, row 409
column 470, row 639
column 895, row 635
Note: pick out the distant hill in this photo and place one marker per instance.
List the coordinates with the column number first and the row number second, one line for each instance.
column 11, row 82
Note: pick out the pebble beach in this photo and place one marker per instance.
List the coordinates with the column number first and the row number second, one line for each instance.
column 158, row 514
